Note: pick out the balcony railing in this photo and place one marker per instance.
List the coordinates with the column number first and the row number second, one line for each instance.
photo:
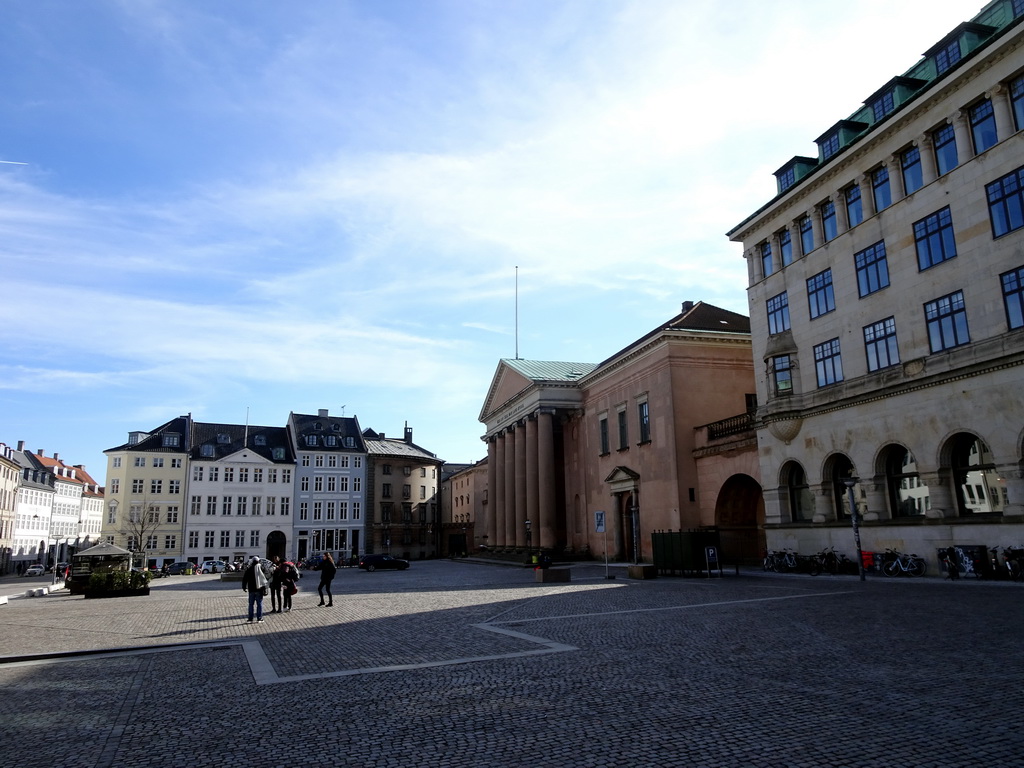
column 734, row 425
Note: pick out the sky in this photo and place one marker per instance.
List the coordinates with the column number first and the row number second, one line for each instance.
column 240, row 210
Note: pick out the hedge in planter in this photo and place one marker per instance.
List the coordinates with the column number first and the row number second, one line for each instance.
column 118, row 584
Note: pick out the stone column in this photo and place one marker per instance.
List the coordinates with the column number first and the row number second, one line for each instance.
column 1000, row 98
column 964, row 140
column 896, row 188
column 874, row 492
column 824, row 504
column 532, row 480
column 842, row 217
column 510, row 487
column 498, row 492
column 546, row 479
column 520, row 459
column 929, row 169
column 775, row 510
column 491, row 520
column 867, row 196
column 942, row 502
column 816, row 229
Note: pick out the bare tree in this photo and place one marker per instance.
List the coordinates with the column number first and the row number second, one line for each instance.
column 139, row 525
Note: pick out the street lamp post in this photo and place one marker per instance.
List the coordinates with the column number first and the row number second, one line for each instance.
column 850, row 482
column 635, row 512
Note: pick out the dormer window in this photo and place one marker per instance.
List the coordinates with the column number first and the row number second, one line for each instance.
column 278, row 454
column 318, row 426
column 331, row 441
column 171, row 440
column 829, row 145
column 206, row 451
column 947, row 56
column 350, row 442
column 223, row 439
column 311, row 440
column 260, row 440
column 883, row 105
column 336, row 427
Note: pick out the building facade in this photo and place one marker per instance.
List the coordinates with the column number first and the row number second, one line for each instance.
column 886, row 292
column 569, row 440
column 10, row 472
column 402, row 500
column 463, row 500
column 330, row 484
column 240, row 493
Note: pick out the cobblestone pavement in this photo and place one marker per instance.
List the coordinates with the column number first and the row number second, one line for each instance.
column 456, row 664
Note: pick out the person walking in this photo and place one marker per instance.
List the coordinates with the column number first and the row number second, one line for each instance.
column 327, row 572
column 289, row 578
column 254, row 581
column 275, row 585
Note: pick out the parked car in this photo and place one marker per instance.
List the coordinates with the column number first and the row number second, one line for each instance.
column 214, row 566
column 35, row 570
column 373, row 562
column 177, row 569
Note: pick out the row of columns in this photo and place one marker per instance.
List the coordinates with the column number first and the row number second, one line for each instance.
column 521, row 483
column 1001, row 108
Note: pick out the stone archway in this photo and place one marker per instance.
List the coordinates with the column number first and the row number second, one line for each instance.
column 739, row 516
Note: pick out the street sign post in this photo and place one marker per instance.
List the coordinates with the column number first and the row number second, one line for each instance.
column 599, row 527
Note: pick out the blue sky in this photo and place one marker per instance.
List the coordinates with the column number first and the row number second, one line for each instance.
column 222, row 208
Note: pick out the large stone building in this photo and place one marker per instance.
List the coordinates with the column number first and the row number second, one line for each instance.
column 402, row 512
column 886, row 292
column 567, row 440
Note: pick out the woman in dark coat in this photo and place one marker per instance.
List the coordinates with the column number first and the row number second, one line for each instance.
column 327, row 571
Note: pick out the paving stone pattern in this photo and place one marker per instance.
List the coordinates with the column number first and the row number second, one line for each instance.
column 455, row 664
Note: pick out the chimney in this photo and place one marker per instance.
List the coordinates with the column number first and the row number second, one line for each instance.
column 322, row 413
column 687, row 306
column 21, row 445
column 408, row 434
column 39, row 452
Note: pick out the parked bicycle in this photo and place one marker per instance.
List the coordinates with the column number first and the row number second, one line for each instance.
column 831, row 561
column 1013, row 560
column 781, row 561
column 901, row 564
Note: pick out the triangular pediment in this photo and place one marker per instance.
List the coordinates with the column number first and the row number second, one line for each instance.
column 505, row 385
column 623, row 480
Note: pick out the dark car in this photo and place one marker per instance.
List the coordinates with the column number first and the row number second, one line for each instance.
column 373, row 562
column 177, row 569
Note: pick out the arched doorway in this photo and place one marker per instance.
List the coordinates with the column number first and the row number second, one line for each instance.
column 277, row 544
column 739, row 515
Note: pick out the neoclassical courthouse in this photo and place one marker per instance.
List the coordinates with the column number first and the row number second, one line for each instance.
column 883, row 351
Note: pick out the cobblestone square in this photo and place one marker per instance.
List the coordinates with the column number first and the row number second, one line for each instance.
column 459, row 664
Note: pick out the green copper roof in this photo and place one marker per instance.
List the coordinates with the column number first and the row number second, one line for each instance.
column 546, row 370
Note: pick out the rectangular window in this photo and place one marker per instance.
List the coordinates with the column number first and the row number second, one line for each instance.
column 175, row 463
column 603, row 428
column 304, row 483
column 828, row 363
column 254, row 538
column 1013, row 297
column 944, row 140
column 174, row 486
column 115, row 486
column 332, row 483
column 156, row 486
column 158, row 462
column 946, row 319
column 357, row 510
column 829, row 146
column 257, row 475
column 211, row 505
column 829, row 227
column 243, row 474
column 644, row 420
column 766, row 258
column 197, row 473
column 257, row 505
column 193, row 539
column 343, row 510
column 243, row 505
column 214, row 472
column 318, row 483
column 934, row 238
column 319, row 460
column 785, row 247
column 820, row 296
column 196, row 506
column 208, row 539
column 225, row 539
column 778, row 313
column 343, row 484
column 385, row 490
column 286, row 506
column 782, row 374
column 229, row 474
column 623, row 430
column 872, row 269
column 303, row 510
column 1006, row 203
column 140, row 461
column 880, row 344
column 854, row 208
column 806, row 235
column 318, row 510
column 239, row 539
column 883, row 105
column 880, row 188
column 271, row 505
column 225, row 505
column 172, row 515
column 138, row 485
column 983, row 125
column 357, row 484
column 947, row 57
column 910, row 164
column 1017, row 102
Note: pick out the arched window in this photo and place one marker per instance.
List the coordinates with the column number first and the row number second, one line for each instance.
column 979, row 489
column 801, row 501
column 908, row 496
